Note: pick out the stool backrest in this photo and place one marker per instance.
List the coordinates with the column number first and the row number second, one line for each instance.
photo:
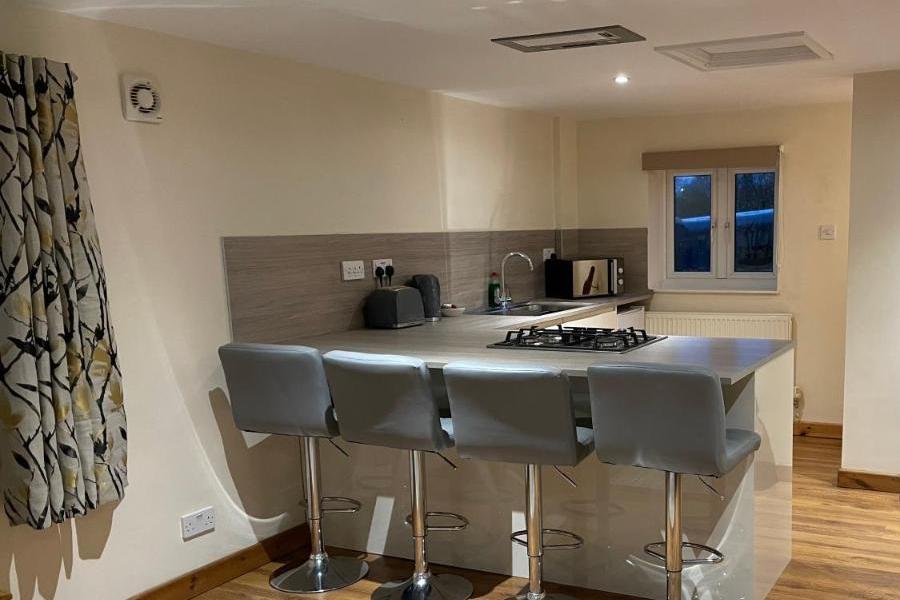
column 512, row 413
column 384, row 400
column 658, row 416
column 278, row 389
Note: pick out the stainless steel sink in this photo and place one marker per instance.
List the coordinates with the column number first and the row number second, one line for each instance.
column 530, row 309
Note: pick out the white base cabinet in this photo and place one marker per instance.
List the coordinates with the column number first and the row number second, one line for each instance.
column 632, row 316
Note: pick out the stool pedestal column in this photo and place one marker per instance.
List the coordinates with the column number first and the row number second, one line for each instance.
column 534, row 542
column 673, row 536
column 535, row 527
column 424, row 585
column 320, row 572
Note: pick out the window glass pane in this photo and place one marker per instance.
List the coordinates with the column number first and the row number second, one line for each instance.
column 754, row 222
column 693, row 217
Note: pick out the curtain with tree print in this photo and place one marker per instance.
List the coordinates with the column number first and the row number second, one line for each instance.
column 62, row 422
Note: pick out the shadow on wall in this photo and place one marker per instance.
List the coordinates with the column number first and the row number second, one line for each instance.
column 51, row 552
column 250, row 465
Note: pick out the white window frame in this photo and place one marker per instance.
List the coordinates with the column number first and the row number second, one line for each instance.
column 671, row 273
column 722, row 276
column 731, row 273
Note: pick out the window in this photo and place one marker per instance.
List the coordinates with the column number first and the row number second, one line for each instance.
column 716, row 229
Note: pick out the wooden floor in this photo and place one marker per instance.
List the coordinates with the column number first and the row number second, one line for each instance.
column 846, row 542
column 846, row 547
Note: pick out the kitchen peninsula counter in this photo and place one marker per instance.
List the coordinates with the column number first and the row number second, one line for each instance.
column 616, row 509
column 467, row 338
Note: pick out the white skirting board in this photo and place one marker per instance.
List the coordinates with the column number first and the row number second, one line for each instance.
column 730, row 325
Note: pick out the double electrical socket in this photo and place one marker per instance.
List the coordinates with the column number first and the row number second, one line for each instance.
column 351, row 270
column 198, row 522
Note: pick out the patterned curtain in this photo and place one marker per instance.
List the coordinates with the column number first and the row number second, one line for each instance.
column 62, row 423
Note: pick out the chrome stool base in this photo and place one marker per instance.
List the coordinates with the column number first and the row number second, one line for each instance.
column 544, row 596
column 433, row 587
column 319, row 575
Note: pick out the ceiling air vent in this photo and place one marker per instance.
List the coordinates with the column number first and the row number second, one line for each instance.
column 576, row 38
column 755, row 51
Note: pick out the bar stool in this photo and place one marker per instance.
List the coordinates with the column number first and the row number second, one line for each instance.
column 283, row 390
column 385, row 400
column 519, row 414
column 671, row 419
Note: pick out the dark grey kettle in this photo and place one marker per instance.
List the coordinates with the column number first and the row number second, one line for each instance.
column 430, row 288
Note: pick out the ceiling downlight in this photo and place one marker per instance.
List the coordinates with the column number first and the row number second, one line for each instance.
column 740, row 53
column 575, row 38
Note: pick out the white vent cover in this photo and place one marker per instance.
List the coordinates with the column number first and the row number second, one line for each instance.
column 745, row 52
column 141, row 100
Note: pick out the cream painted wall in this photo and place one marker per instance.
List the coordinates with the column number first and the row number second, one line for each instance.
column 566, row 174
column 499, row 166
column 871, row 397
column 613, row 192
column 250, row 145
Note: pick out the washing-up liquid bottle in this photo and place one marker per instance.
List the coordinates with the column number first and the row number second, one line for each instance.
column 494, row 291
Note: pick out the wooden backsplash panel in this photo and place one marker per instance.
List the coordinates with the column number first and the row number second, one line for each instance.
column 283, row 287
column 473, row 255
column 629, row 243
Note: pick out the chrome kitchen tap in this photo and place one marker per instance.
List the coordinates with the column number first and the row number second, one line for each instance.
column 505, row 297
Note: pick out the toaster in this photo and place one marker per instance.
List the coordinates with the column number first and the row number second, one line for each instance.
column 394, row 308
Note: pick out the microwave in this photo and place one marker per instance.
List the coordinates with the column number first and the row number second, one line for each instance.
column 583, row 278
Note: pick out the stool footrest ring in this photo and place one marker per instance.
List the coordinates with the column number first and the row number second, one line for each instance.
column 714, row 557
column 521, row 538
column 352, row 505
column 462, row 521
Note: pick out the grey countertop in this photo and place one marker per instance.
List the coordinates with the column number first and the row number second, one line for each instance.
column 467, row 337
column 581, row 309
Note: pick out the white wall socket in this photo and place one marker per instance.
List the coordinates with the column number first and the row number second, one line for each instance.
column 352, row 270
column 198, row 522
column 381, row 262
column 827, row 232
column 548, row 252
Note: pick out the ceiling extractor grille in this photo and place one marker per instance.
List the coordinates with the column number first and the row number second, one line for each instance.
column 575, row 38
column 745, row 52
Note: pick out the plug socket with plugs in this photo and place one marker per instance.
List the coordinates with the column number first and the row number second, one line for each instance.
column 548, row 252
column 381, row 262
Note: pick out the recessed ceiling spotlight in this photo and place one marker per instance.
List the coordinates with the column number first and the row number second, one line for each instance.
column 622, row 79
column 480, row 7
column 514, row 1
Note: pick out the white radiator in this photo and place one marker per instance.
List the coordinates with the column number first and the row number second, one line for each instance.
column 730, row 325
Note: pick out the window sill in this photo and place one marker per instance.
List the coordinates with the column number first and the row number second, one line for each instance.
column 718, row 292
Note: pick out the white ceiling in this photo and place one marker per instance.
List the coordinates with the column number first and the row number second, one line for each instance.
column 445, row 45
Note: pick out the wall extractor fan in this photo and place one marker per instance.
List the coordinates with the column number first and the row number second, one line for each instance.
column 141, row 100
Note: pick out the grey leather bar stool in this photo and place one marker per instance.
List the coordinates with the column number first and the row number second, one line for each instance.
column 283, row 390
column 671, row 419
column 519, row 414
column 385, row 400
